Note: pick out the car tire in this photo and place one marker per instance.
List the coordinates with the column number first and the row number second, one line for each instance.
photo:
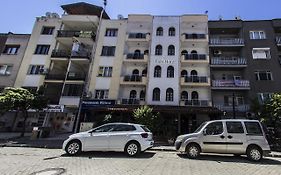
column 132, row 148
column 193, row 151
column 254, row 153
column 73, row 147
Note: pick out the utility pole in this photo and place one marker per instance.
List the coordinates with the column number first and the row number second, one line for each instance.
column 88, row 78
column 233, row 105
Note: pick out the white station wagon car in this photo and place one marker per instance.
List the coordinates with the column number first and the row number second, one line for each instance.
column 127, row 137
column 239, row 137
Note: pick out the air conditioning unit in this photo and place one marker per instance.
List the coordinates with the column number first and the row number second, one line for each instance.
column 217, row 52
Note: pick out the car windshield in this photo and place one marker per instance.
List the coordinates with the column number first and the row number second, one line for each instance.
column 200, row 127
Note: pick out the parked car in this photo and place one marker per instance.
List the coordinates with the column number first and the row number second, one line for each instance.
column 127, row 137
column 239, row 137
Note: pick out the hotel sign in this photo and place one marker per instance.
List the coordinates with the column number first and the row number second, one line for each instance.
column 164, row 61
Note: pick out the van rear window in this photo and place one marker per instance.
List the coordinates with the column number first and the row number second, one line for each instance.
column 253, row 128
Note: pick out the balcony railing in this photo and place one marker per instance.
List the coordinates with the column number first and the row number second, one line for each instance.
column 76, row 76
column 199, row 103
column 81, row 54
column 137, row 35
column 132, row 78
column 227, row 41
column 55, row 76
column 231, row 83
column 278, row 40
column 80, row 34
column 195, row 36
column 130, row 101
column 195, row 57
column 195, row 79
column 229, row 108
column 228, row 61
column 60, row 53
column 135, row 56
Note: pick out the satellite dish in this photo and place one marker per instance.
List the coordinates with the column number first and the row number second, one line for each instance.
column 55, row 15
column 49, row 14
column 120, row 17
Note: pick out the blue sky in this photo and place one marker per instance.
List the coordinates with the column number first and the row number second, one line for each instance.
column 18, row 16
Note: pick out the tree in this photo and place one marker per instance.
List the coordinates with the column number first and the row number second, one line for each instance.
column 145, row 115
column 20, row 99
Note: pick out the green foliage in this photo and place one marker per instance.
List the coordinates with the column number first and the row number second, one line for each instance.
column 273, row 107
column 145, row 115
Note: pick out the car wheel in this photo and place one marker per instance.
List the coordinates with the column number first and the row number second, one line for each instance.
column 73, row 147
column 254, row 153
column 192, row 151
column 132, row 149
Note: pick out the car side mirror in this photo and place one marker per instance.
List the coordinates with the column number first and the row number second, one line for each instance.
column 205, row 132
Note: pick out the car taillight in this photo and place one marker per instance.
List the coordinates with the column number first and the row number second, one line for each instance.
column 144, row 135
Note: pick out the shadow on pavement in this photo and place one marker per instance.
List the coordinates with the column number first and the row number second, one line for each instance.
column 94, row 154
column 234, row 159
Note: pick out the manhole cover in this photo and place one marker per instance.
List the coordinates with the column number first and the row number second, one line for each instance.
column 50, row 171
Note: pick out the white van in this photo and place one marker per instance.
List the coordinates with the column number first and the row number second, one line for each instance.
column 239, row 137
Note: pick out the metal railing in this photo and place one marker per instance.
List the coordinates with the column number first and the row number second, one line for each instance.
column 71, row 33
column 81, row 54
column 226, row 41
column 195, row 79
column 60, row 53
column 55, row 76
column 228, row 61
column 76, row 76
column 137, row 35
column 135, row 56
column 132, row 78
column 130, row 101
column 195, row 57
column 195, row 36
column 229, row 108
column 231, row 83
column 200, row 103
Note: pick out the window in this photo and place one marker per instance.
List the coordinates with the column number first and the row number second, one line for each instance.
column 184, row 73
column 108, row 51
column 73, row 90
column 157, row 71
column 264, row 97
column 172, row 31
column 5, row 69
column 158, row 50
column 142, row 95
column 11, row 49
column 47, row 30
column 214, row 128
column 194, row 95
column 238, row 100
column 261, row 53
column 105, row 128
column 111, row 32
column 35, row 69
column 170, row 72
column 263, row 75
column 124, row 128
column 105, row 71
column 133, row 94
column 169, row 94
column 234, row 127
column 101, row 94
column 171, row 50
column 253, row 128
column 257, row 35
column 184, row 95
column 145, row 128
column 42, row 49
column 159, row 31
column 156, row 94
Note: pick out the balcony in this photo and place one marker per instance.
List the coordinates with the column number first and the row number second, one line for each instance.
column 195, row 81
column 133, row 80
column 80, row 55
column 136, row 58
column 278, row 41
column 196, row 103
column 138, row 37
column 70, row 101
column 131, row 101
column 226, row 42
column 194, row 58
column 60, row 54
column 77, row 34
column 193, row 37
column 231, row 84
column 73, row 76
column 55, row 77
column 228, row 62
column 229, row 108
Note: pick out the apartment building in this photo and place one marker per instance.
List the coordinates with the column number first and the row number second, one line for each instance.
column 244, row 64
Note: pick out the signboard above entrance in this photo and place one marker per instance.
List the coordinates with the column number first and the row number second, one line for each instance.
column 99, row 103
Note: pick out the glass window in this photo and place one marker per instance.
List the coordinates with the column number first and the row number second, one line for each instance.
column 172, row 31
column 47, row 30
column 263, row 75
column 214, row 128
column 105, row 128
column 35, row 69
column 111, row 32
column 124, row 128
column 5, row 69
column 11, row 49
column 156, row 94
column 261, row 53
column 257, row 35
column 170, row 72
column 157, row 71
column 171, row 50
column 169, row 94
column 105, row 71
column 145, row 128
column 108, row 51
column 253, row 128
column 159, row 31
column 234, row 127
column 102, row 94
column 158, row 50
column 42, row 49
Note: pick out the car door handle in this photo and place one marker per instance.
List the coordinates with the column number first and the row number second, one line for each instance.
column 222, row 137
column 230, row 137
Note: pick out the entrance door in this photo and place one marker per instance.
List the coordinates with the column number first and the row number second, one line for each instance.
column 235, row 137
column 214, row 139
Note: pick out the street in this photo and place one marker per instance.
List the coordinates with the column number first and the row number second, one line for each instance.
column 14, row 160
